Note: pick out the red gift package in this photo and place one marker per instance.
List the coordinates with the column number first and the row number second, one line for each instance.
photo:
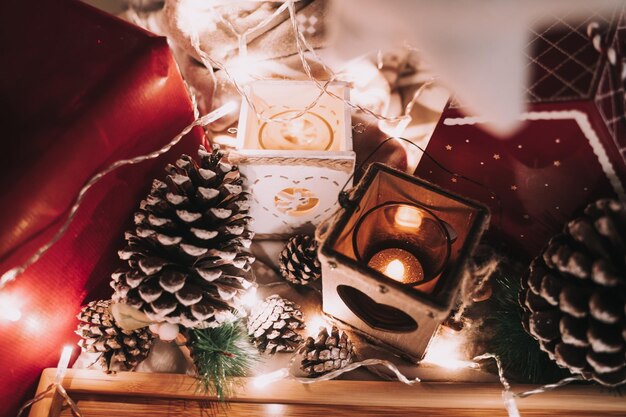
column 569, row 152
column 79, row 90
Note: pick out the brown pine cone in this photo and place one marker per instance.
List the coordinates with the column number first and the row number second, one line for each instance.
column 188, row 255
column 100, row 334
column 326, row 353
column 574, row 295
column 274, row 324
column 298, row 261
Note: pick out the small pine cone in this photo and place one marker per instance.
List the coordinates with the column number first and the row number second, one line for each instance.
column 326, row 353
column 100, row 334
column 298, row 261
column 574, row 295
column 188, row 255
column 273, row 325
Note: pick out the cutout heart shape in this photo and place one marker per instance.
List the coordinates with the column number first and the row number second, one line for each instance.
column 376, row 315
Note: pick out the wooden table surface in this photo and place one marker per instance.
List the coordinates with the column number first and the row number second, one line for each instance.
column 159, row 395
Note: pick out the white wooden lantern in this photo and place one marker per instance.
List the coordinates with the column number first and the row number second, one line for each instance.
column 296, row 159
column 392, row 263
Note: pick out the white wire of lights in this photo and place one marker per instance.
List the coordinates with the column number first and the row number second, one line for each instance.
column 303, row 47
column 208, row 118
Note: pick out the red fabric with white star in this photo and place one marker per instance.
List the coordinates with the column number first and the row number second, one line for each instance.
column 542, row 176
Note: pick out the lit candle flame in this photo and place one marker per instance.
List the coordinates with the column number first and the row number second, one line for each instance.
column 395, row 270
column 408, row 216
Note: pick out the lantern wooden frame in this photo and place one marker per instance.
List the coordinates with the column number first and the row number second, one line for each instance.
column 136, row 394
column 343, row 277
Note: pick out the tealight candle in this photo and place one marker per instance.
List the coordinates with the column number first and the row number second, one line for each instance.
column 402, row 241
column 398, row 264
column 285, row 131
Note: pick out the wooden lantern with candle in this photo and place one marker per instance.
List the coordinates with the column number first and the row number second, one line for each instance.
column 393, row 262
column 296, row 156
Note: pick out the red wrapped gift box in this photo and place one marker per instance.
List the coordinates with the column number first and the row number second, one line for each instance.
column 569, row 152
column 79, row 90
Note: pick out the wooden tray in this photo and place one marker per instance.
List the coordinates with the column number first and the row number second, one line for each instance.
column 156, row 395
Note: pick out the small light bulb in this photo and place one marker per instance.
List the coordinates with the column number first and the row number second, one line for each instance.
column 314, row 324
column 394, row 128
column 9, row 308
column 445, row 351
column 264, row 380
column 64, row 361
column 227, row 108
column 9, row 276
column 10, row 314
column 33, row 324
column 250, row 298
column 274, row 410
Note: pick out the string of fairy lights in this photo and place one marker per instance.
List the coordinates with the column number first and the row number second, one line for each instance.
column 303, row 48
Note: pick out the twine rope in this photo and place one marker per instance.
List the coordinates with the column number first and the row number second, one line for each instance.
column 336, row 164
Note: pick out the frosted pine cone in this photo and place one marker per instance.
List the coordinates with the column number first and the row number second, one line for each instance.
column 100, row 334
column 274, row 325
column 298, row 261
column 575, row 292
column 326, row 353
column 188, row 258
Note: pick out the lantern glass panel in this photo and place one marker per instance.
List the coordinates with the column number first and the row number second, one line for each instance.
column 409, row 218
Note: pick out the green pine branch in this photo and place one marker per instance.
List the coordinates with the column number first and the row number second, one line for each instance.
column 220, row 354
column 520, row 353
